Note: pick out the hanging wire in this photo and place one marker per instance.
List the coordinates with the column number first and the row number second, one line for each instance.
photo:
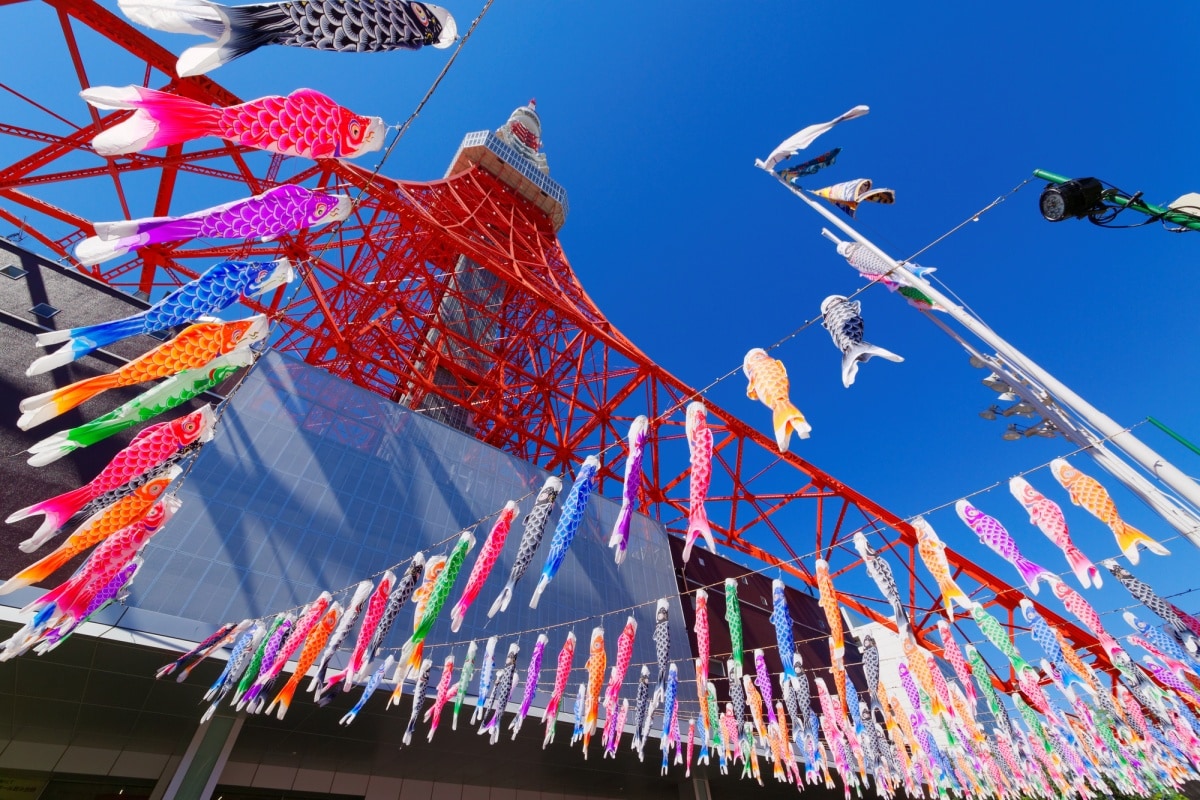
column 869, row 528
column 400, row 131
column 973, row 218
column 441, row 544
column 546, row 628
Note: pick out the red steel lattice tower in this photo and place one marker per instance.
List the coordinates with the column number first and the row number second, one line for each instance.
column 455, row 298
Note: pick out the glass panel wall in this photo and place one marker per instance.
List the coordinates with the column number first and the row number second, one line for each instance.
column 313, row 484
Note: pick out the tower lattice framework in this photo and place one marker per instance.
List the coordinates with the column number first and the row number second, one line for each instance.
column 455, row 297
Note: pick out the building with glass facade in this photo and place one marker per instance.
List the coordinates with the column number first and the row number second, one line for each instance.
column 311, row 485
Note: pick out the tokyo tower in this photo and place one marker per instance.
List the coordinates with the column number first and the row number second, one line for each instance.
column 454, row 297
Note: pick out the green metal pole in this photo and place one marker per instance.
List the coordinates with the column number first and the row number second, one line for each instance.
column 1173, row 435
column 1049, row 176
column 1182, row 218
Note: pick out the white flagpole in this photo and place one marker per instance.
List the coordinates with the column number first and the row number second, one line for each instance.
column 1183, row 516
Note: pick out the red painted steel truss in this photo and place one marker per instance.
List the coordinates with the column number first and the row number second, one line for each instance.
column 505, row 343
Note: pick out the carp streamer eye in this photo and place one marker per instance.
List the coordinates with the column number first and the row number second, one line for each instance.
column 355, row 131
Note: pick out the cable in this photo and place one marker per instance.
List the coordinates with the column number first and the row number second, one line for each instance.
column 952, row 293
column 441, row 544
column 973, row 218
column 400, row 131
column 337, row 227
column 1105, row 214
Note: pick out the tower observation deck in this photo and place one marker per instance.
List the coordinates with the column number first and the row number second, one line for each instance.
column 513, row 154
column 455, row 297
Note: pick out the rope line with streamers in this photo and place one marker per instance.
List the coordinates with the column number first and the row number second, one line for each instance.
column 546, row 628
column 973, row 218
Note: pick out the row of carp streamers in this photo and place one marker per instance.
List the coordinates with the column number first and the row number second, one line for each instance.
column 127, row 503
column 1141, row 739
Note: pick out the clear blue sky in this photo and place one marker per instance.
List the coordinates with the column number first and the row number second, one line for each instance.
column 653, row 114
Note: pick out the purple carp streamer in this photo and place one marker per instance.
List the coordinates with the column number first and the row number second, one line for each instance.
column 639, row 430
column 264, row 216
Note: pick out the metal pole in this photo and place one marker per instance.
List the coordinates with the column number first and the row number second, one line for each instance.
column 1181, row 218
column 1078, row 435
column 1184, row 519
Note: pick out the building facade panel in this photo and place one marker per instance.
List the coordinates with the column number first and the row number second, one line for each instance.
column 313, row 484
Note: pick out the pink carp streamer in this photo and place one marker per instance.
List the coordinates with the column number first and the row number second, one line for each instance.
column 484, row 563
column 61, row 610
column 305, row 123
column 445, row 690
column 149, row 449
column 1049, row 519
column 700, row 448
column 624, row 656
column 562, row 673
